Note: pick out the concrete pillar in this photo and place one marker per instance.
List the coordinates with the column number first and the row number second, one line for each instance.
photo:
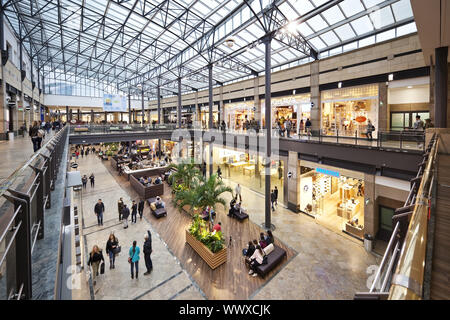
column 143, row 107
column 221, row 108
column 197, row 109
column 315, row 96
column 383, row 108
column 158, row 93
column 79, row 115
column 268, row 107
column 441, row 88
column 129, row 108
column 370, row 216
column 92, row 115
column 293, row 166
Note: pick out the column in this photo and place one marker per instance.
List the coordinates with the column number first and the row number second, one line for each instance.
column 129, row 108
column 79, row 114
column 197, row 109
column 383, row 113
column 3, row 127
column 179, row 104
column 293, row 200
column 315, row 95
column 268, row 154
column 221, row 108
column 158, row 93
column 210, row 122
column 92, row 115
column 67, row 114
column 371, row 221
column 106, row 117
column 143, row 107
column 441, row 89
column 256, row 104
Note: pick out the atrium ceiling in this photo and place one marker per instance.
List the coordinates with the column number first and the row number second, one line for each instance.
column 155, row 42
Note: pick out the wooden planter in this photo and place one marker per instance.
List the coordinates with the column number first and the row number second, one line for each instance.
column 212, row 259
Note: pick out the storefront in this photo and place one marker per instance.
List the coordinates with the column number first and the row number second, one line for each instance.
column 347, row 111
column 248, row 170
column 334, row 196
column 204, row 115
column 236, row 113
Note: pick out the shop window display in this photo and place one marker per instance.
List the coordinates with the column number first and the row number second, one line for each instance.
column 346, row 112
column 334, row 200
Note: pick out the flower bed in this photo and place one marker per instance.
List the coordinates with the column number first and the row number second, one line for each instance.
column 212, row 259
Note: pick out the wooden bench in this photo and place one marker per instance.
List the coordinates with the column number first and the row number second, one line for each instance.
column 273, row 259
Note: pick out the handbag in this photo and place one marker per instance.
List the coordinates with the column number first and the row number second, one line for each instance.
column 102, row 268
column 117, row 250
column 244, row 252
column 264, row 260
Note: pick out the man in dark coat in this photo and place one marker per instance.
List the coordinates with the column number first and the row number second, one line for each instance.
column 125, row 215
column 141, row 208
column 120, row 208
column 272, row 199
column 147, row 252
column 275, row 191
column 99, row 209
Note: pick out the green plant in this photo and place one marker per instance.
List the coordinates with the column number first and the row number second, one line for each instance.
column 214, row 241
column 185, row 174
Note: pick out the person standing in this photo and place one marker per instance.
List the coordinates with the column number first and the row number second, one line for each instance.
column 308, row 126
column 238, row 192
column 133, row 211
column 275, row 191
column 272, row 199
column 99, row 209
column 82, row 152
column 370, row 129
column 418, row 125
column 288, row 126
column 141, row 208
column 92, row 179
column 125, row 215
column 133, row 258
column 120, row 208
column 84, row 181
column 147, row 252
column 111, row 248
column 301, row 127
column 95, row 257
column 204, row 168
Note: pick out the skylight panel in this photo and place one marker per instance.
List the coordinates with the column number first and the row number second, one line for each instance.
column 319, row 2
column 345, row 32
column 351, row 7
column 382, row 17
column 383, row 36
column 362, row 25
column 318, row 43
column 304, row 29
column 329, row 38
column 317, row 23
column 371, row 3
column 302, row 6
column 367, row 41
column 406, row 29
column 402, row 10
column 201, row 9
column 286, row 9
column 333, row 15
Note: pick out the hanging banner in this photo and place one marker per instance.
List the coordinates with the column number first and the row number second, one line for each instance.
column 114, row 102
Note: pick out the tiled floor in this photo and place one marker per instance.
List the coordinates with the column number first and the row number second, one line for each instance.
column 167, row 281
column 328, row 265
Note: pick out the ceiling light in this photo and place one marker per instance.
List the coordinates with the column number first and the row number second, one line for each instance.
column 229, row 42
column 390, row 77
column 409, row 87
column 339, row 84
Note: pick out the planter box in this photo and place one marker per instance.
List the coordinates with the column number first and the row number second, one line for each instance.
column 212, row 259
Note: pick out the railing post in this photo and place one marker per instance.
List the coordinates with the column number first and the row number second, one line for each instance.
column 401, row 140
column 39, row 196
column 356, row 137
column 337, row 135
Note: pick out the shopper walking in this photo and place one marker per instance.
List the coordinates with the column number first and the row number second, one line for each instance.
column 125, row 215
column 133, row 211
column 95, row 256
column 133, row 259
column 275, row 191
column 238, row 192
column 141, row 208
column 308, row 126
column 112, row 248
column 147, row 252
column 92, row 179
column 288, row 126
column 120, row 208
column 370, row 129
column 35, row 139
column 99, row 209
column 82, row 152
column 301, row 127
column 84, row 181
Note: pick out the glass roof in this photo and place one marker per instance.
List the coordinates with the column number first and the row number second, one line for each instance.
column 126, row 42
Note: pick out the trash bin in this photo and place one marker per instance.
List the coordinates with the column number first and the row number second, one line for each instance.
column 368, row 242
column 11, row 136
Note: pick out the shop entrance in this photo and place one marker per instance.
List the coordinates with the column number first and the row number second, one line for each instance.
column 334, row 199
column 385, row 228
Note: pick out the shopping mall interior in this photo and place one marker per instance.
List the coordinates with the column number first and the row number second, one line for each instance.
column 224, row 150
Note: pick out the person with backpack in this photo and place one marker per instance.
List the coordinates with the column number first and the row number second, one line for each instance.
column 133, row 259
column 92, row 179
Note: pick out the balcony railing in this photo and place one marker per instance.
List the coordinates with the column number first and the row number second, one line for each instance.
column 24, row 197
column 401, row 271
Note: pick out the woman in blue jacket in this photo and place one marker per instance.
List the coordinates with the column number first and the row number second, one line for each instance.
column 133, row 259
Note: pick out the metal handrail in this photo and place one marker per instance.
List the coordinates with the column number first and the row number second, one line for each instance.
column 6, row 183
column 408, row 278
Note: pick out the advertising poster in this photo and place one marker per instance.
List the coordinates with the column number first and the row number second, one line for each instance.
column 114, row 103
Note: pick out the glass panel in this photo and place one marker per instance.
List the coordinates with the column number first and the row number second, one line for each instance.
column 362, row 25
column 333, row 15
column 351, row 7
column 397, row 120
column 345, row 32
column 386, row 218
column 408, row 122
column 402, row 10
column 382, row 17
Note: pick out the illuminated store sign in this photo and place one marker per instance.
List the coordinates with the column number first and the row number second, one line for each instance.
column 328, row 172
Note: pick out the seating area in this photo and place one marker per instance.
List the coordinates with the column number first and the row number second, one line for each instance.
column 146, row 191
column 236, row 211
column 158, row 210
column 275, row 255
